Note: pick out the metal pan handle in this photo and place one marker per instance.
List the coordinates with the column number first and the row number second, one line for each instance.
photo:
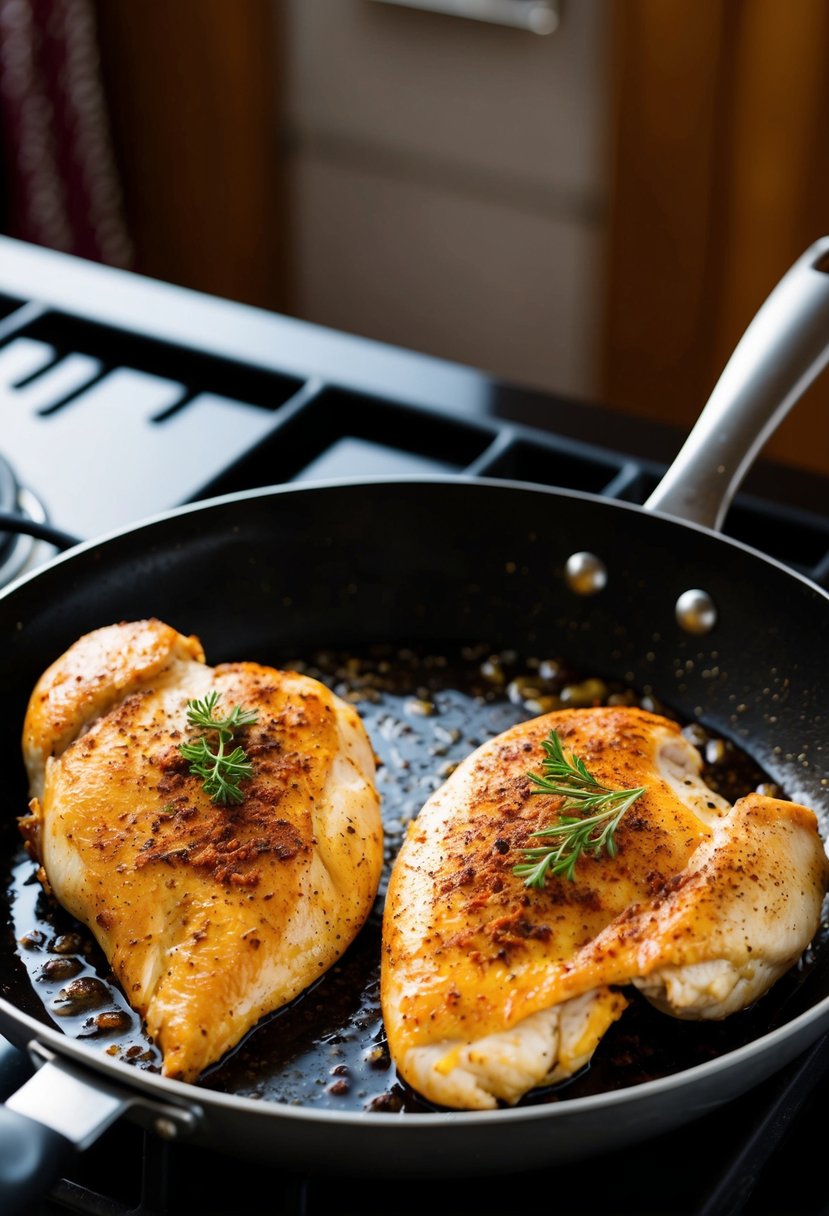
column 783, row 350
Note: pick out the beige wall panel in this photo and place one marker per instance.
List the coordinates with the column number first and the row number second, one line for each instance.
column 457, row 276
column 458, row 94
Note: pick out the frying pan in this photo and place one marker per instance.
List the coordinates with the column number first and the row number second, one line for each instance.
column 718, row 631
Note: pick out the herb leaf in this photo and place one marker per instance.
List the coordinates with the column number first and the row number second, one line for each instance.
column 220, row 770
column 200, row 713
column 591, row 832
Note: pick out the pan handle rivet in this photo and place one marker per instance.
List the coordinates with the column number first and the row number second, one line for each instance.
column 165, row 1128
column 585, row 573
column 696, row 611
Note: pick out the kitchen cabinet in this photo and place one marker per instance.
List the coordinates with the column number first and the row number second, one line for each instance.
column 449, row 183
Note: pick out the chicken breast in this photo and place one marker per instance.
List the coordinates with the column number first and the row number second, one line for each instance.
column 211, row 915
column 491, row 987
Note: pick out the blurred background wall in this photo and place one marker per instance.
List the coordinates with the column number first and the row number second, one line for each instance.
column 597, row 212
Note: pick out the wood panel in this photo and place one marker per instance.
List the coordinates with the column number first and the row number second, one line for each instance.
column 194, row 90
column 666, row 64
column 719, row 181
column 775, row 186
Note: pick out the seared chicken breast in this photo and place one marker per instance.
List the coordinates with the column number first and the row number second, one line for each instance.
column 211, row 915
column 491, row 988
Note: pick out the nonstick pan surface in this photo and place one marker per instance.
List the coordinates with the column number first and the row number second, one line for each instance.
column 432, row 563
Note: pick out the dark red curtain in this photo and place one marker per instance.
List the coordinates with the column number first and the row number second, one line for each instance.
column 60, row 183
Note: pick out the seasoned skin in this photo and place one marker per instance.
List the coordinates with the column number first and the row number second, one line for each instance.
column 100, row 669
column 490, row 988
column 211, row 916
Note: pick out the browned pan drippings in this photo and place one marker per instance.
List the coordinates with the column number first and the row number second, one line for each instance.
column 424, row 713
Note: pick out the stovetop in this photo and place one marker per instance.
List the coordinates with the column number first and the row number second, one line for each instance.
column 124, row 397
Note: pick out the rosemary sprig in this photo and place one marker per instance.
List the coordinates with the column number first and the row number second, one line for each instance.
column 590, row 832
column 220, row 770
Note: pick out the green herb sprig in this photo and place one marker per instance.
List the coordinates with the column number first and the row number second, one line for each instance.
column 592, row 831
column 220, row 770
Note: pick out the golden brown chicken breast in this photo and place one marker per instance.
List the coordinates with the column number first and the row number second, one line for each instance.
column 212, row 914
column 491, row 986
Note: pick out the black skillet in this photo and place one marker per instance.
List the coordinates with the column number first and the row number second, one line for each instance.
column 716, row 630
